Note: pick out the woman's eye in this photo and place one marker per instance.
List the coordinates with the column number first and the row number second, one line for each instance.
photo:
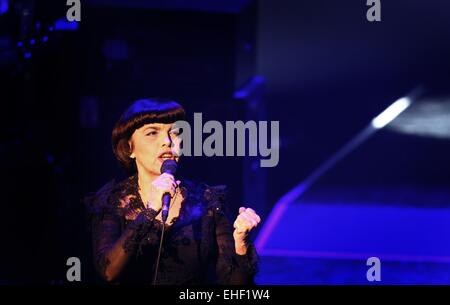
column 152, row 133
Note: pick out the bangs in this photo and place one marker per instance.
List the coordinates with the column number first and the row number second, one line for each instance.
column 147, row 111
column 139, row 120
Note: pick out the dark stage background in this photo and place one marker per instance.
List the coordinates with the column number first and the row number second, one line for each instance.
column 319, row 67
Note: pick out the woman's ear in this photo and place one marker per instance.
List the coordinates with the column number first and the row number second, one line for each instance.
column 130, row 145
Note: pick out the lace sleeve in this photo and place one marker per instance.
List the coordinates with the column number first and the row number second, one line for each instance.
column 231, row 268
column 112, row 246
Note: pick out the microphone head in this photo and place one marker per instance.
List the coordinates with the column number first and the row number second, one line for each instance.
column 169, row 166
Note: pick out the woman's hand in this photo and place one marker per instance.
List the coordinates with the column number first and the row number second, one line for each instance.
column 165, row 183
column 244, row 223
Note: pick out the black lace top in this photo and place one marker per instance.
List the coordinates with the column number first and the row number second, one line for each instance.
column 198, row 246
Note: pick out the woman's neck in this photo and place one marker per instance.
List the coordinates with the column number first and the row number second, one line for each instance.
column 145, row 181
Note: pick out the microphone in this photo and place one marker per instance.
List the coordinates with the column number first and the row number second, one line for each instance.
column 169, row 167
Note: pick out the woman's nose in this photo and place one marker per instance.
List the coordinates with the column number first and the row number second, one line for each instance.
column 167, row 140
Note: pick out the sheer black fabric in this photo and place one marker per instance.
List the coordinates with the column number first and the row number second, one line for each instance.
column 198, row 246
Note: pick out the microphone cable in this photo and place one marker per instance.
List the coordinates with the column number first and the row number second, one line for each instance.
column 161, row 242
column 159, row 253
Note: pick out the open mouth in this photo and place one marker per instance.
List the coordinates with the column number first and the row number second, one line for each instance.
column 166, row 156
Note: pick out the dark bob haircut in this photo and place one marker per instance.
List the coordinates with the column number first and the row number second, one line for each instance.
column 139, row 113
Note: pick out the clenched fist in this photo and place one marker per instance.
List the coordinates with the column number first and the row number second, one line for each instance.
column 244, row 223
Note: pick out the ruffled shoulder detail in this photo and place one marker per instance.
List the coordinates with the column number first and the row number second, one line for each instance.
column 121, row 198
column 201, row 198
column 216, row 193
column 215, row 197
column 100, row 202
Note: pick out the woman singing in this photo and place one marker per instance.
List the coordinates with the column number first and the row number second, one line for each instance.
column 199, row 245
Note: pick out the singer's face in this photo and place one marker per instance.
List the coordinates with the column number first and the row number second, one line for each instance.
column 152, row 144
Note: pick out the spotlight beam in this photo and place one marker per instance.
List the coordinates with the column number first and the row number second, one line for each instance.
column 380, row 121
